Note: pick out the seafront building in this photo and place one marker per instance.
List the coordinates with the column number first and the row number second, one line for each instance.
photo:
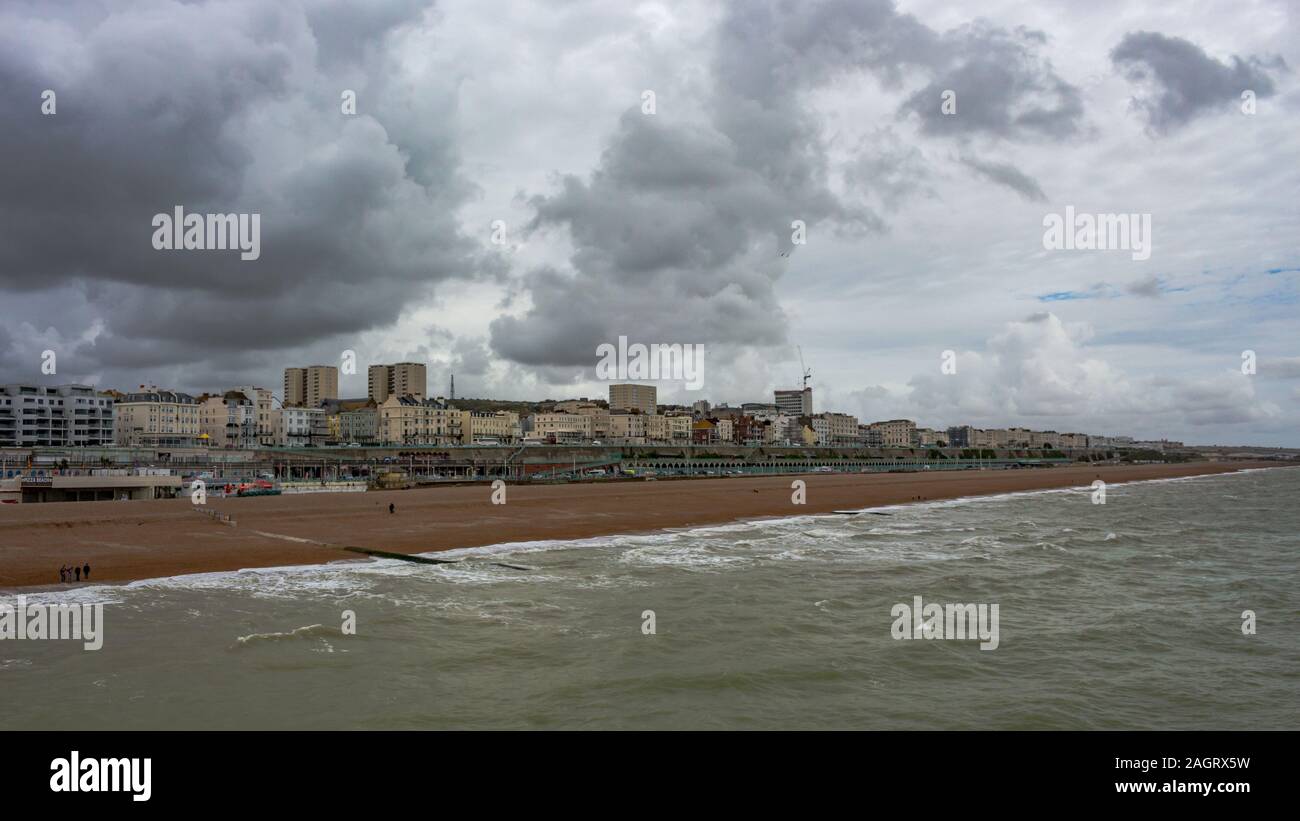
column 152, row 417
column 263, row 399
column 643, row 398
column 927, row 438
column 582, row 405
column 358, row 426
column 627, row 427
column 895, row 433
column 491, row 427
column 228, row 421
column 562, row 427
column 401, row 379
column 299, row 427
column 308, row 387
column 673, row 427
column 59, row 416
column 245, row 418
column 350, row 421
column 408, row 420
column 795, row 402
column 835, row 429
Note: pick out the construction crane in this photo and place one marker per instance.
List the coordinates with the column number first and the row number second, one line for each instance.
column 807, row 374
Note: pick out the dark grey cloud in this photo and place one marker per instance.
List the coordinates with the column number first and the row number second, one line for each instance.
column 1008, row 175
column 1146, row 287
column 1002, row 88
column 223, row 108
column 682, row 228
column 1184, row 81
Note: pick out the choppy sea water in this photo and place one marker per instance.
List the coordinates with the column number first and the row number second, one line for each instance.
column 1115, row 616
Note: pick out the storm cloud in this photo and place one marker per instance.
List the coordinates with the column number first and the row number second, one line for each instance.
column 222, row 108
column 682, row 229
column 1008, row 175
column 1184, row 81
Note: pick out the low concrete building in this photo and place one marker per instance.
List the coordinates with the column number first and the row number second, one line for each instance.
column 99, row 487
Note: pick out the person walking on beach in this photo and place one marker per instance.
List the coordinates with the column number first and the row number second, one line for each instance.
column 85, row 571
column 392, row 508
column 77, row 572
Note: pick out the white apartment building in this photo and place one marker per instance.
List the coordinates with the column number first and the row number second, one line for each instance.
column 60, row 416
column 725, row 429
column 299, row 427
column 562, row 427
column 795, row 402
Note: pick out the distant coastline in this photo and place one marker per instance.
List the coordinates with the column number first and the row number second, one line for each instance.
column 152, row 539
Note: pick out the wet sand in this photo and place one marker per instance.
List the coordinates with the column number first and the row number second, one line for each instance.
column 125, row 541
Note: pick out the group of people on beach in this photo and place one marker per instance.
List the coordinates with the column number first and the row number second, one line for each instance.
column 74, row 574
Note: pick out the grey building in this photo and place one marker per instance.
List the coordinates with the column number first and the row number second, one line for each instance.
column 961, row 436
column 795, row 402
column 59, row 416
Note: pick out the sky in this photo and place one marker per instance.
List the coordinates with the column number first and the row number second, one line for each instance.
column 520, row 182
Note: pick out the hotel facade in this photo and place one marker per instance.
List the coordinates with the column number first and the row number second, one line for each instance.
column 156, row 418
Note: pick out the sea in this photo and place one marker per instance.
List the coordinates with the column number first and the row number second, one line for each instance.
column 1173, row 605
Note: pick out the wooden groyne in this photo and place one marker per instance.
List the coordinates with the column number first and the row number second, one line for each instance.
column 406, row 557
